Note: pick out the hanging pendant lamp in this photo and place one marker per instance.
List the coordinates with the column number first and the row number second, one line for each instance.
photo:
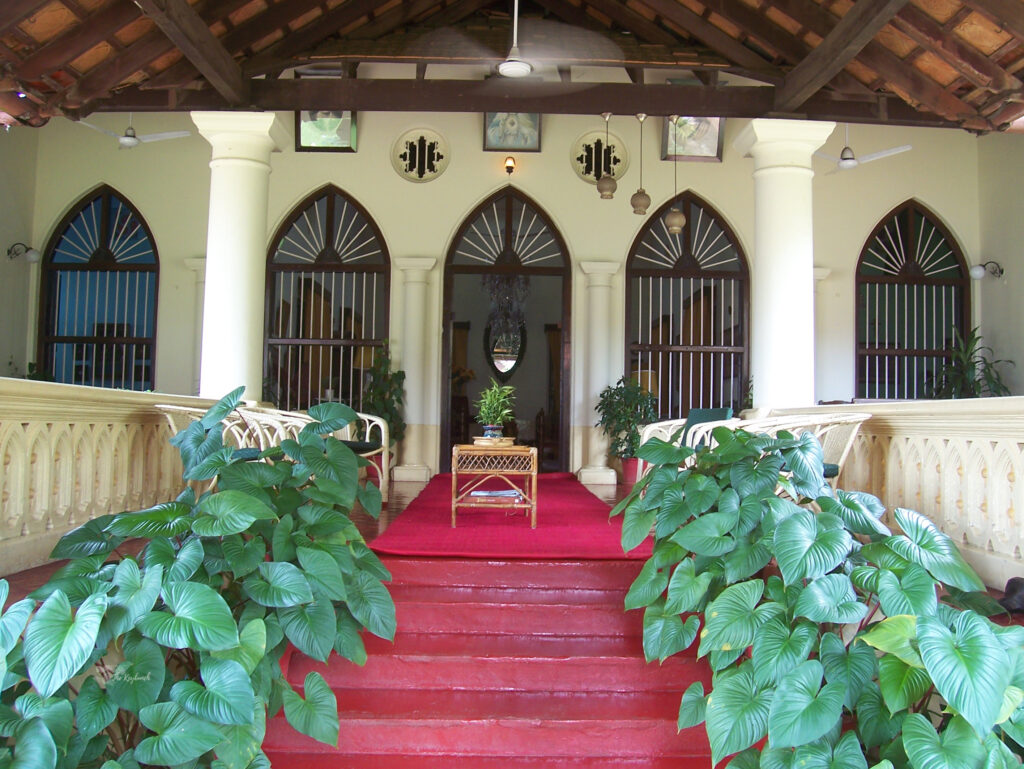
column 674, row 219
column 641, row 201
column 606, row 185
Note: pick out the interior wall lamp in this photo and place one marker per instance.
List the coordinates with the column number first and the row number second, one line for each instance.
column 995, row 269
column 20, row 249
column 510, row 165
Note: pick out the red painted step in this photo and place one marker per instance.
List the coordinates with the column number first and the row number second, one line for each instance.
column 499, row 664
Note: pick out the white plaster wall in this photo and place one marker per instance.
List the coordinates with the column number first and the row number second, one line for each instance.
column 1001, row 221
column 169, row 183
column 17, row 186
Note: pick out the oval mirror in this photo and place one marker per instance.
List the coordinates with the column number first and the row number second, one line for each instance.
column 504, row 352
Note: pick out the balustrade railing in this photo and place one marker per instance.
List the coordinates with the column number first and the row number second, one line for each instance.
column 69, row 453
column 958, row 462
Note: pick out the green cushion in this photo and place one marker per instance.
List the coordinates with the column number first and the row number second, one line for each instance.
column 700, row 416
column 362, row 447
column 831, row 470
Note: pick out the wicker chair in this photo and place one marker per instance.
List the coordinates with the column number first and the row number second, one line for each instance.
column 254, row 427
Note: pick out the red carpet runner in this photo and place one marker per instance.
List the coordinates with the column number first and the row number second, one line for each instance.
column 571, row 523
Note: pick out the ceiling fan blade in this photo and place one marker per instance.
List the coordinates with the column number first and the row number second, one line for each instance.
column 884, row 153
column 165, row 135
column 826, row 156
column 100, row 129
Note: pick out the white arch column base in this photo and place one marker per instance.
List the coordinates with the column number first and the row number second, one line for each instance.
column 420, row 436
column 782, row 270
column 599, row 299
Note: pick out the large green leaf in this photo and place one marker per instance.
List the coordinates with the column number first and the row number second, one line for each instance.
column 686, row 589
column 736, row 714
column 859, row 511
column 709, row 535
column 57, row 644
column 311, row 627
column 648, row 586
column 957, row 748
column 968, row 665
column 225, row 696
column 88, row 539
column 13, row 622
column 913, row 592
column 241, row 744
column 665, row 633
column 692, row 707
column 136, row 594
column 852, row 667
column 279, row 584
column 252, row 645
column 636, row 524
column 875, row 725
column 56, row 712
column 34, row 747
column 830, row 599
column 137, row 681
column 755, row 476
column 808, row 546
column 322, row 573
column 168, row 519
column 317, row 715
column 371, row 604
column 230, row 512
column 780, row 647
column 178, row 737
column 925, row 544
column 700, row 492
column 750, row 555
column 894, row 635
column 244, row 556
column 801, row 711
column 199, row 618
column 805, row 461
column 94, row 710
column 902, row 685
column 730, row 622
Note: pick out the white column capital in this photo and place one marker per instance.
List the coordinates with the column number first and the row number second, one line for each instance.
column 599, row 273
column 415, row 267
column 242, row 135
column 775, row 143
column 197, row 264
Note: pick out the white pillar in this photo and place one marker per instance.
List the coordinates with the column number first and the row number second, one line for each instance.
column 782, row 270
column 414, row 345
column 599, row 336
column 198, row 265
column 236, row 243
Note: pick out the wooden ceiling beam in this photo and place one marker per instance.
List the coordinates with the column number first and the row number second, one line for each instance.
column 974, row 66
column 456, row 11
column 889, row 67
column 1006, row 14
column 503, row 95
column 640, row 27
column 402, row 14
column 236, row 40
column 845, row 40
column 13, row 12
column 571, row 14
column 192, row 36
column 307, row 37
column 79, row 39
column 709, row 34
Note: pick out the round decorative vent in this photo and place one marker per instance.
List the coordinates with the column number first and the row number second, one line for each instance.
column 420, row 155
column 593, row 155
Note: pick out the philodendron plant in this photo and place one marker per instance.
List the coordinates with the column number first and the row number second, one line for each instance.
column 172, row 657
column 834, row 642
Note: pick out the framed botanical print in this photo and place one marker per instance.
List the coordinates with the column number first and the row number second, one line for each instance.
column 325, row 131
column 512, row 131
column 692, row 138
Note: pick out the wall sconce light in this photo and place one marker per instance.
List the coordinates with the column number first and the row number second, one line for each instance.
column 20, row 249
column 995, row 269
column 510, row 165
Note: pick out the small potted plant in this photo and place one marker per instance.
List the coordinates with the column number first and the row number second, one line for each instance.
column 969, row 372
column 494, row 408
column 624, row 408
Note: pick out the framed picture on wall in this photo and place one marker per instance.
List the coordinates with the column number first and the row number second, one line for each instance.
column 325, row 131
column 692, row 138
column 512, row 132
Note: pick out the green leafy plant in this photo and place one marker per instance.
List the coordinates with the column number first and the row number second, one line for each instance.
column 969, row 372
column 495, row 404
column 624, row 408
column 173, row 657
column 833, row 641
column 384, row 395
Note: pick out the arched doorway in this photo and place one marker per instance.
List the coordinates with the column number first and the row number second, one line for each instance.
column 686, row 311
column 506, row 310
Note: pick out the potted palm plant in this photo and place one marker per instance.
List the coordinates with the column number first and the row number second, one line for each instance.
column 624, row 408
column 494, row 408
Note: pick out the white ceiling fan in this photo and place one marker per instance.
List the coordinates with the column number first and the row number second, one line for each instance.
column 847, row 159
column 130, row 139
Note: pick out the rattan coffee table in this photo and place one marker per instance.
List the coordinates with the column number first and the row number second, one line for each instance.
column 515, row 466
